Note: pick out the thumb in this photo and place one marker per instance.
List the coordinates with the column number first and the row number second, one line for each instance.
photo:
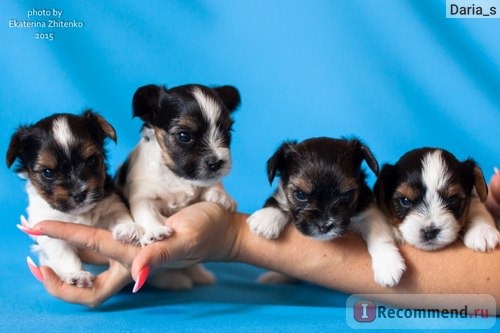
column 152, row 255
column 170, row 253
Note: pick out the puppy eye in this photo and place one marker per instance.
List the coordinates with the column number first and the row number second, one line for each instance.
column 346, row 197
column 454, row 200
column 48, row 173
column 300, row 196
column 92, row 160
column 405, row 202
column 184, row 137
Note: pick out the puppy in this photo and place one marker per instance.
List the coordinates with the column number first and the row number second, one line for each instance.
column 64, row 161
column 431, row 198
column 323, row 192
column 181, row 158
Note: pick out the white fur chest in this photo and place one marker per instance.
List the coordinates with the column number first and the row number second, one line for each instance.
column 38, row 210
column 175, row 194
column 150, row 179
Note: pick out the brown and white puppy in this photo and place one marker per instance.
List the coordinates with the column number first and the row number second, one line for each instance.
column 431, row 198
column 181, row 158
column 64, row 161
column 323, row 192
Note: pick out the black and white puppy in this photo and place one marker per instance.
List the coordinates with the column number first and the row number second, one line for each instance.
column 323, row 192
column 431, row 198
column 64, row 161
column 181, row 158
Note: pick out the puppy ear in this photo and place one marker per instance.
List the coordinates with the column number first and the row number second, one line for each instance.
column 230, row 96
column 475, row 174
column 100, row 124
column 145, row 103
column 383, row 185
column 480, row 184
column 16, row 145
column 367, row 155
column 370, row 159
column 278, row 162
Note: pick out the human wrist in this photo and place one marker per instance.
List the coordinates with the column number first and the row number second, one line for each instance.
column 237, row 235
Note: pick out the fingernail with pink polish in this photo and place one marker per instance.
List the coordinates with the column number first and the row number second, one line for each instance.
column 28, row 230
column 142, row 276
column 34, row 269
column 24, row 221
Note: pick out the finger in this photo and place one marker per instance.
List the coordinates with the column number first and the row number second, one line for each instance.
column 173, row 252
column 96, row 239
column 104, row 286
column 152, row 255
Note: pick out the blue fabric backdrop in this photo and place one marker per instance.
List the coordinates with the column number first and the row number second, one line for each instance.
column 397, row 74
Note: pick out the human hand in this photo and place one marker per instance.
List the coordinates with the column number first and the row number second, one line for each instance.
column 493, row 200
column 96, row 246
column 202, row 232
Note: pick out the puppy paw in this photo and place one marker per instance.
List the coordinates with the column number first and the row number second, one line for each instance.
column 388, row 266
column 268, row 222
column 220, row 197
column 79, row 278
column 482, row 237
column 155, row 233
column 129, row 232
column 275, row 278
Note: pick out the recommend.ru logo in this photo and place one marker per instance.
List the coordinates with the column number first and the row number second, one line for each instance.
column 365, row 311
column 421, row 311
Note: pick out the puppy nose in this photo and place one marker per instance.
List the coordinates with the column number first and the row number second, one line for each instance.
column 214, row 163
column 325, row 227
column 79, row 196
column 430, row 233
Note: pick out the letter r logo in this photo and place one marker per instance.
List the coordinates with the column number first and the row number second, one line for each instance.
column 364, row 311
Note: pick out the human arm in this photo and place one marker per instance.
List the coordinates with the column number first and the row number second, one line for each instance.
column 344, row 264
column 206, row 232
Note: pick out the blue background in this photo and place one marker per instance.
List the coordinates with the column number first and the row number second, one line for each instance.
column 397, row 74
